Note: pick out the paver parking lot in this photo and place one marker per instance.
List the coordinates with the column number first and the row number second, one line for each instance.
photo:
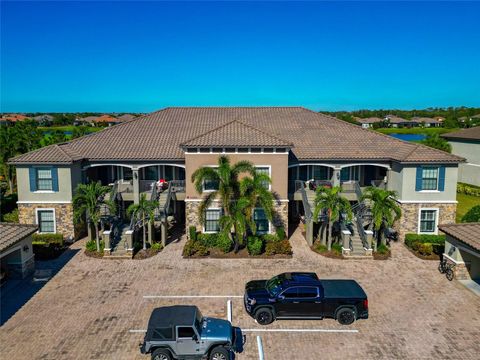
column 88, row 308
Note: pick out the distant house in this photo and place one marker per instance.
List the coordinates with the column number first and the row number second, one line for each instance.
column 396, row 121
column 466, row 143
column 368, row 122
column 13, row 117
column 106, row 119
column 89, row 120
column 126, row 117
column 16, row 253
column 43, row 119
column 427, row 122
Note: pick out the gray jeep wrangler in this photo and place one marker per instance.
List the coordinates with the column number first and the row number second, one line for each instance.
column 181, row 332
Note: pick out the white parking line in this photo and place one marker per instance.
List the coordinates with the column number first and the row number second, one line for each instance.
column 191, row 296
column 278, row 330
column 302, row 330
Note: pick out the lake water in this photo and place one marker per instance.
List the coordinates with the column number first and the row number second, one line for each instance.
column 65, row 132
column 409, row 137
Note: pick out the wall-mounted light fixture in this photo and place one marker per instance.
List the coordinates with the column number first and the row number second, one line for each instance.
column 26, row 248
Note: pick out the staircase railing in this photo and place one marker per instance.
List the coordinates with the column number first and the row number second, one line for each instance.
column 174, row 186
column 360, row 210
column 300, row 185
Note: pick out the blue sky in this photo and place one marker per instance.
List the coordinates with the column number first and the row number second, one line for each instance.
column 122, row 56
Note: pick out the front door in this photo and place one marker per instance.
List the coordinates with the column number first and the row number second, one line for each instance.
column 187, row 342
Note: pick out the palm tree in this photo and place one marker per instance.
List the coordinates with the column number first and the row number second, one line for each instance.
column 226, row 176
column 255, row 189
column 236, row 220
column 384, row 208
column 334, row 203
column 144, row 209
column 87, row 201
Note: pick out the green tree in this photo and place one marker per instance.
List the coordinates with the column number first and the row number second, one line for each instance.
column 143, row 211
column 334, row 203
column 54, row 137
column 436, row 142
column 384, row 208
column 79, row 131
column 87, row 202
column 228, row 191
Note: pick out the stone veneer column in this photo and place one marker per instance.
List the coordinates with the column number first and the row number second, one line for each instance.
column 280, row 217
column 409, row 222
column 63, row 216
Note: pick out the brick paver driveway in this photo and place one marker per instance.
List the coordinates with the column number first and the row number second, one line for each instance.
column 88, row 308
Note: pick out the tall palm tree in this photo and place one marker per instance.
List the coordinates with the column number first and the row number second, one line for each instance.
column 141, row 211
column 87, row 201
column 384, row 208
column 227, row 178
column 329, row 199
column 255, row 189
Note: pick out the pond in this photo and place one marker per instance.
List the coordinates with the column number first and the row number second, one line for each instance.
column 66, row 132
column 409, row 137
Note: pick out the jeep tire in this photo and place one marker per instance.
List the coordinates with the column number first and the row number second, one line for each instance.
column 346, row 316
column 219, row 353
column 161, row 354
column 264, row 316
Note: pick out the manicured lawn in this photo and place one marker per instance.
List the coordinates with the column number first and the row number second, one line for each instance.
column 416, row 130
column 465, row 203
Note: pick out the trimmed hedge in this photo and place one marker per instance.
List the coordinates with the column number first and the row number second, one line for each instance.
column 91, row 246
column 472, row 215
column 194, row 248
column 278, row 247
column 426, row 244
column 47, row 246
column 468, row 189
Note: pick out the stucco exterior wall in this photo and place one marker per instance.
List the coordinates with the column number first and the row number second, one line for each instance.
column 64, row 193
column 407, row 191
column 467, row 260
column 470, row 150
column 19, row 262
column 277, row 162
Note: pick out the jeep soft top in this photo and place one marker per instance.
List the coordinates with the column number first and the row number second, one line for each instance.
column 171, row 316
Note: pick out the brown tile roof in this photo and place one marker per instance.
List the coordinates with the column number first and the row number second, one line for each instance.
column 426, row 120
column 13, row 233
column 126, row 117
column 315, row 136
column 468, row 233
column 106, row 119
column 370, row 120
column 59, row 154
column 467, row 134
column 237, row 134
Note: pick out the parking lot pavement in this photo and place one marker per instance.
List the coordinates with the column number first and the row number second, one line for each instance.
column 88, row 308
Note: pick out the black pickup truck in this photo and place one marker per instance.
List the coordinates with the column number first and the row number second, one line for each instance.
column 304, row 296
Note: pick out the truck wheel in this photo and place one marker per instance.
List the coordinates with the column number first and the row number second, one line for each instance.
column 346, row 316
column 220, row 353
column 161, row 354
column 264, row 316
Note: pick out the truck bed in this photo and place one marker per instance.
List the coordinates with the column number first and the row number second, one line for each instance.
column 341, row 289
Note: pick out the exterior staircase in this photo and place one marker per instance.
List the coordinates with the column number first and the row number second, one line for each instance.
column 118, row 249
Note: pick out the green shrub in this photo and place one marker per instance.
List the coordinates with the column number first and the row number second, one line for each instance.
column 425, row 249
column 383, row 249
column 194, row 248
column 337, row 249
column 11, row 217
column 411, row 239
column 281, row 233
column 223, row 243
column 321, row 248
column 91, row 246
column 157, row 246
column 254, row 245
column 278, row 247
column 472, row 215
column 48, row 239
column 192, row 230
column 208, row 240
column 270, row 237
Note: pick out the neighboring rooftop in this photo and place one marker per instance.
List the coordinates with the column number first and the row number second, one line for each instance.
column 370, row 120
column 464, row 134
column 315, row 136
column 13, row 233
column 467, row 233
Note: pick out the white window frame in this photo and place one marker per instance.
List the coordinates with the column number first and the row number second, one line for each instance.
column 43, row 191
column 269, row 223
column 269, row 174
column 438, row 179
column 203, row 183
column 437, row 213
column 212, row 232
column 54, row 220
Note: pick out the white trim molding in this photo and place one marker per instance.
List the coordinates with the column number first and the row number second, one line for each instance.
column 203, row 225
column 427, row 201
